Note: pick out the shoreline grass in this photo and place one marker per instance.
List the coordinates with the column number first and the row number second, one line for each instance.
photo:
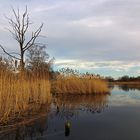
column 129, row 82
column 21, row 97
column 79, row 86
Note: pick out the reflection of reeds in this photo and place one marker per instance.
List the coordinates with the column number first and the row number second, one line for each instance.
column 21, row 96
column 29, row 129
column 68, row 105
column 79, row 86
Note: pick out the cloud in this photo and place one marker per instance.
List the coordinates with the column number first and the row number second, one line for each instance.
column 44, row 8
column 101, row 35
column 118, row 66
column 94, row 22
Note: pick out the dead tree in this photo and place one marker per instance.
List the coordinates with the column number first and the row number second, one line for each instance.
column 19, row 28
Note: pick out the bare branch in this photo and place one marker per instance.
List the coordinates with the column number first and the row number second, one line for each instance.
column 8, row 53
column 33, row 38
column 19, row 26
column 15, row 53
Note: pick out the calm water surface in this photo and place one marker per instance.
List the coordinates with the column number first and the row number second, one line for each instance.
column 103, row 117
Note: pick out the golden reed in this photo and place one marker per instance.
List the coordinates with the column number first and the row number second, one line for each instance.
column 77, row 85
column 21, row 96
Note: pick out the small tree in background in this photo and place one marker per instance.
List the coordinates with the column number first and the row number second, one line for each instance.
column 38, row 62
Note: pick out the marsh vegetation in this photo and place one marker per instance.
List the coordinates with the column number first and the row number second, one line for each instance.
column 23, row 96
column 27, row 80
column 20, row 96
column 68, row 82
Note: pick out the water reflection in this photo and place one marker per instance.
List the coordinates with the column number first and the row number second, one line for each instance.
column 128, row 87
column 69, row 106
column 125, row 95
column 62, row 110
column 27, row 131
column 111, row 86
column 73, row 117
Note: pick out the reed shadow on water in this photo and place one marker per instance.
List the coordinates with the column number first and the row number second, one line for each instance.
column 64, row 108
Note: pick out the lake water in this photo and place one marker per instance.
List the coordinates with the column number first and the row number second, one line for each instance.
column 101, row 117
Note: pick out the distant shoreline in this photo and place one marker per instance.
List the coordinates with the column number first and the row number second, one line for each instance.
column 128, row 82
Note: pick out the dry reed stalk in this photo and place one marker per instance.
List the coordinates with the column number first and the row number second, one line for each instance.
column 18, row 96
column 79, row 86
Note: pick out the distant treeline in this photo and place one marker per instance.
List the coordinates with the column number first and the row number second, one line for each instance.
column 125, row 78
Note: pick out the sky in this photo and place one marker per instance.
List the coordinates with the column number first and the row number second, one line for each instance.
column 98, row 36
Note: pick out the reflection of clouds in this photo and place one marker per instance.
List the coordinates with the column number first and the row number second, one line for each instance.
column 124, row 99
column 136, row 95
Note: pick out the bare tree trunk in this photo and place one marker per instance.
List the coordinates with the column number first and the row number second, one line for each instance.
column 22, row 63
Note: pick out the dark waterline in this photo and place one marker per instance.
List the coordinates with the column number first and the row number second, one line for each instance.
column 101, row 117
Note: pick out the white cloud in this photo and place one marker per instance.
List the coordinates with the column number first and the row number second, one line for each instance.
column 118, row 66
column 46, row 8
column 87, row 34
column 94, row 22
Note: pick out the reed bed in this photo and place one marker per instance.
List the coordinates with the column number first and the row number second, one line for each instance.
column 20, row 97
column 77, row 85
